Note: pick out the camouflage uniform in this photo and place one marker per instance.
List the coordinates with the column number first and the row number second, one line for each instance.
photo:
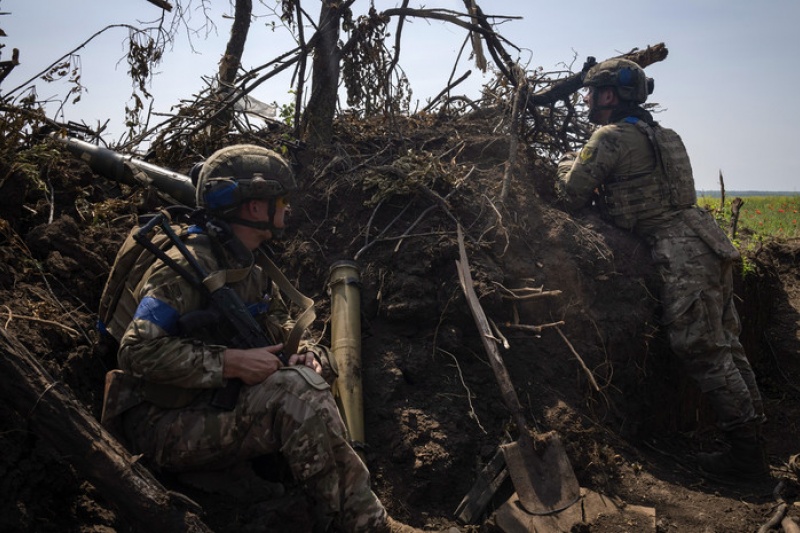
column 292, row 412
column 619, row 169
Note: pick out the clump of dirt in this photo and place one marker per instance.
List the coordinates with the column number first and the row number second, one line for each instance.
column 573, row 299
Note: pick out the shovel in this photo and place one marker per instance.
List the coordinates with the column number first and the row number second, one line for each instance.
column 539, row 468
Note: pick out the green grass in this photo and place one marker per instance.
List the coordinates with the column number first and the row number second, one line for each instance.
column 761, row 216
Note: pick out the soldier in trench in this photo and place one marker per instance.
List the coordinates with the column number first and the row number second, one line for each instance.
column 165, row 406
column 639, row 174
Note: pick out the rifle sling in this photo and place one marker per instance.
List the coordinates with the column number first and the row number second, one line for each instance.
column 216, row 280
column 308, row 314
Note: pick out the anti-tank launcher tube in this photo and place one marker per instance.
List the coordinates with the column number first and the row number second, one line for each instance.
column 177, row 188
column 344, row 288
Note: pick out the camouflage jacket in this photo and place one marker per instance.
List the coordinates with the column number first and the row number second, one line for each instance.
column 614, row 153
column 155, row 349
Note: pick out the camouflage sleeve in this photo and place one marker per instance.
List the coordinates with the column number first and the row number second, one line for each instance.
column 151, row 347
column 579, row 176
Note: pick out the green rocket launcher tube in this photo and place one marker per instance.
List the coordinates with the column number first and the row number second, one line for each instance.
column 344, row 288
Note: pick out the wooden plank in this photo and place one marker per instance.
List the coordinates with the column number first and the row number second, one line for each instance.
column 490, row 478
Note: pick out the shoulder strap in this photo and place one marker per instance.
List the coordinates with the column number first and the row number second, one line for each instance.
column 308, row 314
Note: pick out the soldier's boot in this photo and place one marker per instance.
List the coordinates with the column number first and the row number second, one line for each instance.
column 745, row 459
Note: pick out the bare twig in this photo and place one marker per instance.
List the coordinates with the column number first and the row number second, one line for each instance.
column 513, row 135
column 775, row 519
column 472, row 414
column 532, row 296
column 429, row 209
column 499, row 218
column 499, row 335
column 535, row 329
column 446, row 90
column 789, row 525
column 588, row 372
column 380, row 235
column 12, row 316
column 70, row 53
column 369, row 222
column 412, row 226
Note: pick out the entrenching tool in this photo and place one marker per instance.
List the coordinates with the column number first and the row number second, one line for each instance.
column 539, row 468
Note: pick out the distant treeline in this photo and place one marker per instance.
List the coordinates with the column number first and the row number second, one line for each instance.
column 731, row 194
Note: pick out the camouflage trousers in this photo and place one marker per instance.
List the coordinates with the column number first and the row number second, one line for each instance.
column 703, row 327
column 293, row 412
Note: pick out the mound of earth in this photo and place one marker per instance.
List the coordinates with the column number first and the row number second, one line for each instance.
column 571, row 301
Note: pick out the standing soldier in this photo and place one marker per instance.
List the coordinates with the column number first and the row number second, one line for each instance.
column 640, row 175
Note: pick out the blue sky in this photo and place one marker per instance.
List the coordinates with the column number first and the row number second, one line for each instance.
column 725, row 86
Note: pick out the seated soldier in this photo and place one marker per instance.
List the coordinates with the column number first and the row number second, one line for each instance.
column 284, row 405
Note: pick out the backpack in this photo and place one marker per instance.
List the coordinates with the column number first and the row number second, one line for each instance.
column 118, row 302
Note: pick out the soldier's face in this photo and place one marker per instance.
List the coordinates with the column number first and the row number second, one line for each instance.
column 281, row 212
column 600, row 101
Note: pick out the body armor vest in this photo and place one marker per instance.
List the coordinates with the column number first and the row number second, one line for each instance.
column 669, row 186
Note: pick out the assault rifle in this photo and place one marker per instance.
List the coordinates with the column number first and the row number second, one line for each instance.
column 175, row 187
column 226, row 304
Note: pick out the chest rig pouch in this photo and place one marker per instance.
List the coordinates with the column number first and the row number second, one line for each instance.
column 669, row 186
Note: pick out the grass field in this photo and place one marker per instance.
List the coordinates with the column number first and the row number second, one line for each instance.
column 764, row 216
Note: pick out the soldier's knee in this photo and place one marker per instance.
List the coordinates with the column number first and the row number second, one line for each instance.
column 299, row 378
column 694, row 332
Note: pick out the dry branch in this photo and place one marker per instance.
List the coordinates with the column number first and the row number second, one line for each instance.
column 775, row 519
column 537, row 328
column 514, row 140
column 7, row 66
column 585, row 368
column 789, row 525
column 12, row 316
column 58, row 418
column 736, row 206
column 565, row 87
column 531, row 296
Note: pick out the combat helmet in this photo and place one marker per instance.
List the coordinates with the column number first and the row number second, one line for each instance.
column 625, row 76
column 239, row 173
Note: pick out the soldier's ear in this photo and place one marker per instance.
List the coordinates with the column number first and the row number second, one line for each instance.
column 608, row 96
column 253, row 207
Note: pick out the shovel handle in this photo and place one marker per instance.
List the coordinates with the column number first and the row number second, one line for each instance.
column 500, row 372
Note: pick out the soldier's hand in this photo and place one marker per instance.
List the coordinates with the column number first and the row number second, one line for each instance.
column 306, row 359
column 565, row 164
column 253, row 365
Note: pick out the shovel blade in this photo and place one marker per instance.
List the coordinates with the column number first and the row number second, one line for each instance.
column 543, row 478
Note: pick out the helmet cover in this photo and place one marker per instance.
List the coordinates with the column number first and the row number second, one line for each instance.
column 625, row 76
column 239, row 173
